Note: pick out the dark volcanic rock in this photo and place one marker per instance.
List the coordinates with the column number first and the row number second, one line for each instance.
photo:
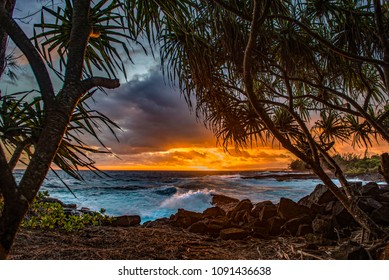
column 213, row 212
column 126, row 221
column 304, row 229
column 258, row 207
column 244, row 204
column 288, row 209
column 370, row 188
column 184, row 218
column 240, row 214
column 381, row 215
column 369, row 204
column 324, row 225
column 341, row 215
column 292, row 225
column 214, row 226
column 320, row 195
column 219, row 199
column 267, row 212
column 198, row 227
column 275, row 224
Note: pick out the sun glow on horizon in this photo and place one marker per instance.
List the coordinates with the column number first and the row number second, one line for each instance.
column 200, row 159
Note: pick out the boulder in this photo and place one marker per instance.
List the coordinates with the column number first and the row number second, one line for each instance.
column 323, row 224
column 213, row 212
column 275, row 225
column 260, row 232
column 257, row 208
column 240, row 214
column 383, row 197
column 126, row 221
column 241, row 217
column 288, row 209
column 267, row 212
column 198, row 227
column 381, row 215
column 70, row 206
column 233, row 233
column 320, row 195
column 304, row 229
column 214, row 226
column 184, row 218
column 244, row 204
column 291, row 226
column 157, row 223
column 370, row 188
column 220, row 200
column 369, row 204
column 342, row 216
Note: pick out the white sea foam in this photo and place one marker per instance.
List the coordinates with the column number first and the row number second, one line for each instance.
column 192, row 200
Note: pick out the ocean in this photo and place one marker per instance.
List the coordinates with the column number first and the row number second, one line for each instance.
column 158, row 194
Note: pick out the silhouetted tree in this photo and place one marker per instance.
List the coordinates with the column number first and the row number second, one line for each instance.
column 301, row 74
column 86, row 36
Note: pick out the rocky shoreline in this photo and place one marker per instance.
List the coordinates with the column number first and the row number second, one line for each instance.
column 316, row 227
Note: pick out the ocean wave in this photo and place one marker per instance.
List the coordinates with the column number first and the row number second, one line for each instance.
column 192, row 200
column 166, row 191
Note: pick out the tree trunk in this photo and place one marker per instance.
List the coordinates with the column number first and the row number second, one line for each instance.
column 384, row 168
column 11, row 218
column 16, row 203
column 9, row 6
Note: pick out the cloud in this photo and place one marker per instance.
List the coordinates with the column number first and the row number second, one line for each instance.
column 153, row 117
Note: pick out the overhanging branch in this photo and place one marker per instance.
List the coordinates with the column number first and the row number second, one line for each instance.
column 90, row 83
column 24, row 44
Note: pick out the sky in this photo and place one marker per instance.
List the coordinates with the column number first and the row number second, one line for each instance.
column 158, row 130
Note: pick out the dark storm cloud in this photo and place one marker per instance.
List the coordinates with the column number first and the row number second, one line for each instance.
column 152, row 115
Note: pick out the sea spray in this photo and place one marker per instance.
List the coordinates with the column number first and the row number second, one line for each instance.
column 198, row 200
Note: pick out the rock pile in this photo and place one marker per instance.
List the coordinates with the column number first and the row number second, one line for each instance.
column 319, row 213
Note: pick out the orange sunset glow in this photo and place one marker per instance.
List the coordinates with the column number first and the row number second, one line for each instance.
column 201, row 159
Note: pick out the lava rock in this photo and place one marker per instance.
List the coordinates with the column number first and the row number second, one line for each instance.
column 320, row 195
column 267, row 212
column 184, row 218
column 213, row 212
column 126, row 221
column 381, row 215
column 275, row 225
column 293, row 225
column 258, row 207
column 288, row 209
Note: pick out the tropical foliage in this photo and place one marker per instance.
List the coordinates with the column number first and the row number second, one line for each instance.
column 351, row 164
column 47, row 215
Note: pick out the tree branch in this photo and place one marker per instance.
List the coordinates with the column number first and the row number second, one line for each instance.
column 36, row 62
column 17, row 153
column 7, row 181
column 90, row 83
column 248, row 79
column 329, row 45
column 79, row 36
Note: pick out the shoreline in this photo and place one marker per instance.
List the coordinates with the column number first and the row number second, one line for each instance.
column 231, row 229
